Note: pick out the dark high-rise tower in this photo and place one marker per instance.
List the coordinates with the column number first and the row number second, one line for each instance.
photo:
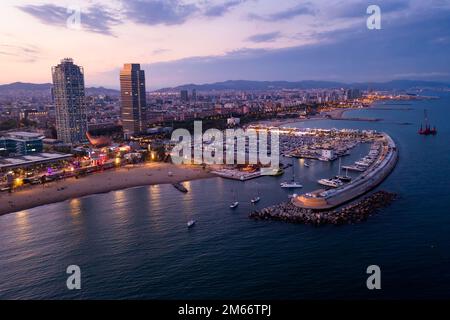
column 133, row 98
column 184, row 94
column 68, row 96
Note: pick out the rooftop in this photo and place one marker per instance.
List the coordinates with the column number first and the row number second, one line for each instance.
column 10, row 163
column 24, row 135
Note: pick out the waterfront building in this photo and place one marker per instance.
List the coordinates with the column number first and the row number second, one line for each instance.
column 353, row 94
column 21, row 143
column 233, row 121
column 133, row 99
column 30, row 161
column 327, row 154
column 69, row 99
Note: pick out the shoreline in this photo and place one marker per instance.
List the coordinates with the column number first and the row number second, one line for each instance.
column 120, row 179
column 335, row 114
column 98, row 183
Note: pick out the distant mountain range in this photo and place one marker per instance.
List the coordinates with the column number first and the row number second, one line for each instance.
column 45, row 88
column 245, row 85
column 309, row 84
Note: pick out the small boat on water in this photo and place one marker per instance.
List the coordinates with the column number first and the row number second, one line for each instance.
column 256, row 200
column 306, row 164
column 191, row 223
column 234, row 205
column 180, row 187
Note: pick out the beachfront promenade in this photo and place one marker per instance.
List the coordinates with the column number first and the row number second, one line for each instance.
column 373, row 176
column 110, row 180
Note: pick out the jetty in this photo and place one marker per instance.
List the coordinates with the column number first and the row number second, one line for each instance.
column 373, row 175
column 352, row 213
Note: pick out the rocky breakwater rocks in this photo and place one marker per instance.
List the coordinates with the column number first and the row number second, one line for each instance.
column 352, row 213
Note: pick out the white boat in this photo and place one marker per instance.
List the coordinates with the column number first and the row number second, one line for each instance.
column 234, row 205
column 255, row 200
column 334, row 183
column 191, row 223
column 362, row 163
column 306, row 164
column 292, row 184
column 341, row 177
column 354, row 168
column 236, row 202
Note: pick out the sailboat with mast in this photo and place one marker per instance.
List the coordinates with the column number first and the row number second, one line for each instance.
column 257, row 198
column 345, row 178
column 292, row 183
column 235, row 203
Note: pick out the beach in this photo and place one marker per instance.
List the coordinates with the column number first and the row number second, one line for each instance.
column 121, row 178
column 335, row 114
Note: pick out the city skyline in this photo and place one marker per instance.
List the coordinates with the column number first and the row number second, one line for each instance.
column 203, row 42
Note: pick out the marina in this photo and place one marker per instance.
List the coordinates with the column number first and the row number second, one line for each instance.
column 378, row 168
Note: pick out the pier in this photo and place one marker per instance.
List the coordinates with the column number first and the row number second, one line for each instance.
column 373, row 176
column 352, row 213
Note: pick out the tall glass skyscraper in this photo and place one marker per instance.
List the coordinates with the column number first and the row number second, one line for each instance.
column 133, row 98
column 68, row 95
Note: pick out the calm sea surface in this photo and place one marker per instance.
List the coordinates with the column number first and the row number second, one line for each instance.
column 134, row 243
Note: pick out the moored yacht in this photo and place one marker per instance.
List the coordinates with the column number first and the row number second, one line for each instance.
column 334, row 183
column 344, row 178
column 292, row 184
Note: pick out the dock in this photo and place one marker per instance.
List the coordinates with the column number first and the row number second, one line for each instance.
column 236, row 174
column 180, row 187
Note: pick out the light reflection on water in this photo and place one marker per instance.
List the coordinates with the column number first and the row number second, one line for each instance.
column 134, row 243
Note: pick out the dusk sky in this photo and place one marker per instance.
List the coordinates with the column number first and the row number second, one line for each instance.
column 201, row 41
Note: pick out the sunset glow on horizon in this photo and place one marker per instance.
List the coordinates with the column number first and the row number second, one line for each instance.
column 180, row 42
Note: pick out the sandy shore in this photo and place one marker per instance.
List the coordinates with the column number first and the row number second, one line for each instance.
column 127, row 177
column 335, row 114
column 339, row 112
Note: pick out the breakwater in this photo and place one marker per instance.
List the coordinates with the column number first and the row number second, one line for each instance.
column 352, row 213
column 372, row 176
